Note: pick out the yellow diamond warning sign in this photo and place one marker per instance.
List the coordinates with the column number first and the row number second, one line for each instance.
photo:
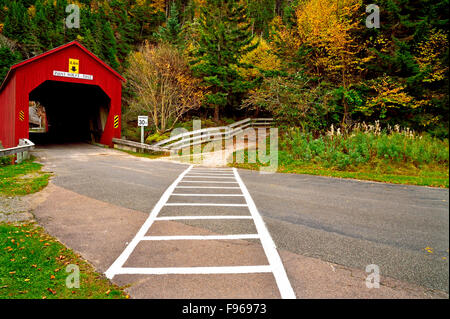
column 74, row 65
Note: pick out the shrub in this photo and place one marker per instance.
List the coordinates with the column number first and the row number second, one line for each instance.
column 156, row 137
column 344, row 151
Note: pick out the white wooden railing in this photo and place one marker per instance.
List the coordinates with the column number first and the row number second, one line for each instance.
column 211, row 134
column 201, row 136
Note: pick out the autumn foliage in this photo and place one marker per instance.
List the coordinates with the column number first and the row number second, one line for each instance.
column 162, row 85
column 317, row 56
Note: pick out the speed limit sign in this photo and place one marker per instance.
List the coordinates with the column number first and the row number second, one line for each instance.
column 142, row 120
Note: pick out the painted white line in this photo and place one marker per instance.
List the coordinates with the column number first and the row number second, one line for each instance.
column 209, row 182
column 284, row 286
column 208, row 174
column 220, row 187
column 118, row 263
column 213, row 172
column 208, row 237
column 196, row 270
column 210, row 195
column 204, row 204
column 204, row 176
column 214, row 169
column 205, row 217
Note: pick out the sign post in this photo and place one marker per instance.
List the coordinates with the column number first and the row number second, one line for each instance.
column 142, row 121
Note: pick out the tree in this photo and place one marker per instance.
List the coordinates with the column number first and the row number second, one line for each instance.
column 261, row 12
column 16, row 22
column 39, row 29
column 430, row 54
column 292, row 100
column 224, row 37
column 8, row 57
column 146, row 16
column 171, row 33
column 123, row 28
column 387, row 95
column 324, row 42
column 261, row 58
column 109, row 45
column 162, row 85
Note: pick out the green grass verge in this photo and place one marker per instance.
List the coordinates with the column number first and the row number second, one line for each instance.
column 426, row 175
column 146, row 155
column 33, row 265
column 22, row 179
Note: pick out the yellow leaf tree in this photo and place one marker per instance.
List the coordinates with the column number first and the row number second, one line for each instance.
column 327, row 28
column 429, row 56
column 261, row 58
column 162, row 85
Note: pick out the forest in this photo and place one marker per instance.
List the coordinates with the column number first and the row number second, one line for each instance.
column 345, row 94
column 307, row 63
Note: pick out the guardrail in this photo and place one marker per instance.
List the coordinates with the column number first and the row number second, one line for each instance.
column 22, row 150
column 196, row 137
column 137, row 145
column 205, row 135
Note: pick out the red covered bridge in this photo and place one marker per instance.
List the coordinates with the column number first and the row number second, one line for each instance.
column 80, row 93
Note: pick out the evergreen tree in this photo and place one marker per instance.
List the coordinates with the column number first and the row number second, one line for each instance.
column 109, row 46
column 90, row 43
column 124, row 29
column 261, row 12
column 146, row 18
column 3, row 10
column 225, row 36
column 16, row 22
column 7, row 58
column 39, row 30
column 171, row 33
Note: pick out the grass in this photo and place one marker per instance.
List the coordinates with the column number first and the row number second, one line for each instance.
column 145, row 154
column 429, row 176
column 384, row 156
column 33, row 265
column 22, row 179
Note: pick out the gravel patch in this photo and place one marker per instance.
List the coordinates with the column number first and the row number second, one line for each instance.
column 15, row 208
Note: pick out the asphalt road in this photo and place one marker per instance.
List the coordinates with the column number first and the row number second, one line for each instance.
column 357, row 223
column 346, row 222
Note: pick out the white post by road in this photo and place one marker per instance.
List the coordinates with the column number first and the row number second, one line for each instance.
column 142, row 121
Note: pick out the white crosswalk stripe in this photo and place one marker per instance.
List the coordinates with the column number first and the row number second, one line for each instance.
column 275, row 264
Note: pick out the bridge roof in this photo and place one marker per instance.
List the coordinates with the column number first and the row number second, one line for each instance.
column 52, row 51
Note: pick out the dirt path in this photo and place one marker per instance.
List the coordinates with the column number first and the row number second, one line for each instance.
column 216, row 155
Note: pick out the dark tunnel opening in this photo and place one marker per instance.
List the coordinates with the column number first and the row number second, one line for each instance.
column 74, row 112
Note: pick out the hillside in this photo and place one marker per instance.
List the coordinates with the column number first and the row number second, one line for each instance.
column 308, row 63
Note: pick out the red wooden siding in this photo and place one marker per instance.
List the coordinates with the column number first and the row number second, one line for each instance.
column 7, row 113
column 27, row 75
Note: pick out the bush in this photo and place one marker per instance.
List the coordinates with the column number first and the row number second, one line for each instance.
column 156, row 137
column 362, row 147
